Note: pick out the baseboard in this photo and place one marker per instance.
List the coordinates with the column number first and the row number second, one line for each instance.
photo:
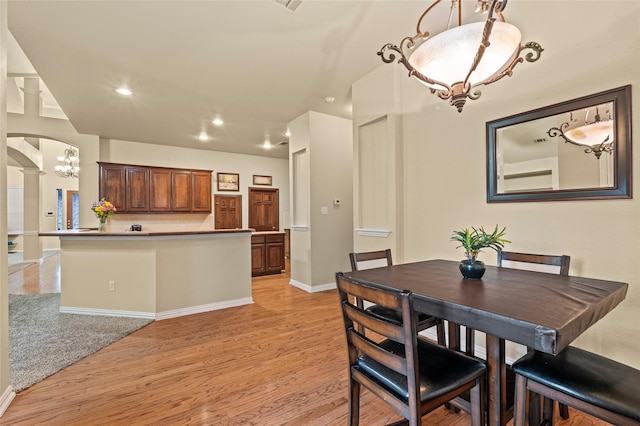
column 312, row 289
column 203, row 308
column 106, row 312
column 6, row 398
column 174, row 313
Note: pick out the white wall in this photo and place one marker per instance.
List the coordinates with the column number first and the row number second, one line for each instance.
column 321, row 247
column 445, row 152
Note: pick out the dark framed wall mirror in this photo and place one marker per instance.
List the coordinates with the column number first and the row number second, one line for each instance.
column 574, row 150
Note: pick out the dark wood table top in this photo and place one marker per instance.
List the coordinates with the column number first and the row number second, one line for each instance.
column 540, row 310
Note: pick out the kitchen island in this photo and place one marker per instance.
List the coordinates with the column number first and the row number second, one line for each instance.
column 154, row 275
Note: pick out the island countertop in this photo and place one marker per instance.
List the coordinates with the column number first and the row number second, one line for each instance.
column 92, row 232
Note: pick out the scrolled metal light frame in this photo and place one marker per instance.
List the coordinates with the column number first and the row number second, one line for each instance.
column 69, row 164
column 596, row 149
column 458, row 92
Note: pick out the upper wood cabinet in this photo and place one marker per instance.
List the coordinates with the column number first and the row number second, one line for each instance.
column 136, row 189
column 160, row 190
column 181, row 191
column 141, row 189
column 200, row 191
column 112, row 185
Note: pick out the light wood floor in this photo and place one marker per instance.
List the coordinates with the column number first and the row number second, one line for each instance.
column 280, row 361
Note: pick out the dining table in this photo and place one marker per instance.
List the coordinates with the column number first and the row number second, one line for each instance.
column 543, row 311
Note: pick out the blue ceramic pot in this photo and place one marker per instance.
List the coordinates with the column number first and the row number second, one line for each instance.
column 472, row 269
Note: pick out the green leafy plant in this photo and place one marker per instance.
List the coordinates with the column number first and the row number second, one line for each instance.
column 475, row 239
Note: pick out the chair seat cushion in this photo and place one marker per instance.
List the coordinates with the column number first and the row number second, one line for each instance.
column 584, row 375
column 441, row 370
column 424, row 320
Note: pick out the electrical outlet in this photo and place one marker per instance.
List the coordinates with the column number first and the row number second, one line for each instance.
column 112, row 286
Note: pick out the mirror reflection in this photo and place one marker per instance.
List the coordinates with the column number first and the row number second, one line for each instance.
column 551, row 153
column 572, row 150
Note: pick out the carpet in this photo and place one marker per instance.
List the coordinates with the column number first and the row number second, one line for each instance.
column 43, row 341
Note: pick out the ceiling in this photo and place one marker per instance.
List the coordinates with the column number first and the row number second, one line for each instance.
column 252, row 63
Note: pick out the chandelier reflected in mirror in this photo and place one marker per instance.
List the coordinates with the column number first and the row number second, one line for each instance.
column 596, row 135
column 454, row 62
column 69, row 164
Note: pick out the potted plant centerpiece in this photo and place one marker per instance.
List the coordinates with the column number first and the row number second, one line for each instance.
column 473, row 241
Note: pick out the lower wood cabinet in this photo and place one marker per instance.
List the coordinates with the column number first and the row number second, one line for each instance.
column 267, row 253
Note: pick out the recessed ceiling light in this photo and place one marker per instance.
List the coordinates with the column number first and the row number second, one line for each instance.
column 124, row 91
column 329, row 99
column 287, row 133
column 267, row 145
column 203, row 137
column 218, row 122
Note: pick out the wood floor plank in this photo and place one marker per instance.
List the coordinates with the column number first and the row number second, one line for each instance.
column 280, row 361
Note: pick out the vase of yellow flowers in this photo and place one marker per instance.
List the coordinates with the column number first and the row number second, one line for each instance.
column 103, row 209
column 472, row 241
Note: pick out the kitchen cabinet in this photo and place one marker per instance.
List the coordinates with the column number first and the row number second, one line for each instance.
column 136, row 189
column 181, row 191
column 267, row 253
column 143, row 189
column 112, row 184
column 160, row 190
column 200, row 191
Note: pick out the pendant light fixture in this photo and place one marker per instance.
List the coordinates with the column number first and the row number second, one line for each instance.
column 69, row 164
column 453, row 63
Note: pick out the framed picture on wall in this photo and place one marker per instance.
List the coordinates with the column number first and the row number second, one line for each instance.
column 228, row 182
column 262, row 180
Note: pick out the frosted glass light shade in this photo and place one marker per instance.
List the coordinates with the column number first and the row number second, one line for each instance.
column 592, row 134
column 447, row 57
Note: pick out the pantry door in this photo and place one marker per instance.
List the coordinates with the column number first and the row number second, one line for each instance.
column 263, row 209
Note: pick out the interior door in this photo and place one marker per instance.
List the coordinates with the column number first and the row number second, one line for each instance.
column 263, row 209
column 228, row 211
column 73, row 215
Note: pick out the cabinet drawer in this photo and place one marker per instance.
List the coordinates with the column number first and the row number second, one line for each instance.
column 257, row 239
column 279, row 238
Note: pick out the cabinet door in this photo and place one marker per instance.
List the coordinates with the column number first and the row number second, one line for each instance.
column 160, row 190
column 201, row 191
column 180, row 190
column 275, row 257
column 137, row 189
column 112, row 185
column 257, row 259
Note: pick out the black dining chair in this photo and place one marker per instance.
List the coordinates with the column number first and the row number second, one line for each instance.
column 583, row 380
column 383, row 258
column 410, row 373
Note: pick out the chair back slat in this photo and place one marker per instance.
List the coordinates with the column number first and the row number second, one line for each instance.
column 371, row 349
column 376, row 324
column 369, row 256
column 561, row 261
column 371, row 293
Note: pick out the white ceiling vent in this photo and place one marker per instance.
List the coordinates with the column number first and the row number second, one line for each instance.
column 291, row 5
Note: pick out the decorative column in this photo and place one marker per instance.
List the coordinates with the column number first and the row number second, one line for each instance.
column 32, row 103
column 32, row 244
